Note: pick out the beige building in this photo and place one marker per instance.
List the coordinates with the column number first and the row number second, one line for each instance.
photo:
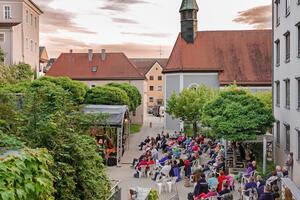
column 97, row 69
column 152, row 69
column 19, row 32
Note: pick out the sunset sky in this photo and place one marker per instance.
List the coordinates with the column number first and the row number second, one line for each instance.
column 140, row 28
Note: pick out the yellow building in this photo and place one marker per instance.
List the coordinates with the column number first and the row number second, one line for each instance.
column 152, row 69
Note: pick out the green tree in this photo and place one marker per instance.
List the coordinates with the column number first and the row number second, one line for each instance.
column 236, row 115
column 132, row 92
column 265, row 97
column 107, row 95
column 76, row 89
column 15, row 74
column 25, row 175
column 188, row 105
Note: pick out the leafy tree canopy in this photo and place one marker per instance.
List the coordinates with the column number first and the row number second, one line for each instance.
column 237, row 115
column 107, row 95
column 265, row 97
column 132, row 92
column 188, row 105
column 76, row 89
column 15, row 74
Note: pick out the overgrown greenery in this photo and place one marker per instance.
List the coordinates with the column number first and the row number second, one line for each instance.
column 188, row 105
column 15, row 74
column 49, row 118
column 24, row 173
column 236, row 115
column 135, row 98
column 107, row 95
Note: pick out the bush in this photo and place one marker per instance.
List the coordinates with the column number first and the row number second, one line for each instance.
column 132, row 92
column 107, row 95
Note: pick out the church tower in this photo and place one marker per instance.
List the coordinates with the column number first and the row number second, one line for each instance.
column 189, row 23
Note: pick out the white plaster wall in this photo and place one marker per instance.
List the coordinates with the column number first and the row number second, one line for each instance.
column 289, row 70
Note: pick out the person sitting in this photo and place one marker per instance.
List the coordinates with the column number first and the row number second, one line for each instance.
column 250, row 185
column 225, row 190
column 154, row 153
column 250, row 169
column 267, row 195
column 164, row 159
column 201, row 186
column 212, row 181
column 147, row 140
column 260, row 185
column 211, row 193
column 187, row 168
column 221, row 179
column 273, row 179
column 285, row 172
column 163, row 172
column 275, row 190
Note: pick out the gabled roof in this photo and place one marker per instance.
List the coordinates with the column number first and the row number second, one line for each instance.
column 43, row 54
column 145, row 64
column 241, row 56
column 116, row 66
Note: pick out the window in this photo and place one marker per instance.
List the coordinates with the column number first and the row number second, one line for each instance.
column 298, row 26
column 287, row 7
column 151, row 99
column 159, row 78
column 277, row 84
column 35, row 22
column 287, row 138
column 287, row 46
column 2, row 37
column 31, row 45
column 287, row 93
column 277, row 44
column 159, row 88
column 151, row 88
column 298, row 81
column 278, row 132
column 159, row 102
column 35, row 47
column 277, row 12
column 7, row 12
column 151, row 78
column 94, row 68
column 31, row 19
column 27, row 13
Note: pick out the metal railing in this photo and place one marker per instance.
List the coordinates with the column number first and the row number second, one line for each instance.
column 289, row 189
column 115, row 190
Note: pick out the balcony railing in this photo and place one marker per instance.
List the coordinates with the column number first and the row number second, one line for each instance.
column 289, row 189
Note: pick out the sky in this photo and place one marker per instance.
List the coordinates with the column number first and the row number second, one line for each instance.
column 139, row 28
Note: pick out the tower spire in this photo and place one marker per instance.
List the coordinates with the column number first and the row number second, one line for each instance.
column 189, row 23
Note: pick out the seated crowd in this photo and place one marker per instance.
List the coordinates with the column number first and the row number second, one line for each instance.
column 181, row 157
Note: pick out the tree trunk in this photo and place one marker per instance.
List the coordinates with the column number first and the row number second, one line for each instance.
column 195, row 129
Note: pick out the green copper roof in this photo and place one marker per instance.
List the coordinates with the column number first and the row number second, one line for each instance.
column 188, row 5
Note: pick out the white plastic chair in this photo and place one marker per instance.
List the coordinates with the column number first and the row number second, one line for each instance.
column 170, row 183
column 161, row 185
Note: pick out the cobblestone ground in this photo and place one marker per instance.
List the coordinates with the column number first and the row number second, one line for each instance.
column 125, row 174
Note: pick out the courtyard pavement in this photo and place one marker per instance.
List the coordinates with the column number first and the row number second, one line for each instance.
column 124, row 172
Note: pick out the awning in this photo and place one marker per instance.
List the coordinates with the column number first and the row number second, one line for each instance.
column 116, row 113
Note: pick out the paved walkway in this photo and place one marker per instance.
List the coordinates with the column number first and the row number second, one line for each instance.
column 125, row 174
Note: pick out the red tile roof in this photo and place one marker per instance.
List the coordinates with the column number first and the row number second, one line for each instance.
column 77, row 66
column 241, row 56
column 145, row 64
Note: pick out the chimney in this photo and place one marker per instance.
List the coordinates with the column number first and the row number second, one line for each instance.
column 90, row 54
column 71, row 50
column 103, row 54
